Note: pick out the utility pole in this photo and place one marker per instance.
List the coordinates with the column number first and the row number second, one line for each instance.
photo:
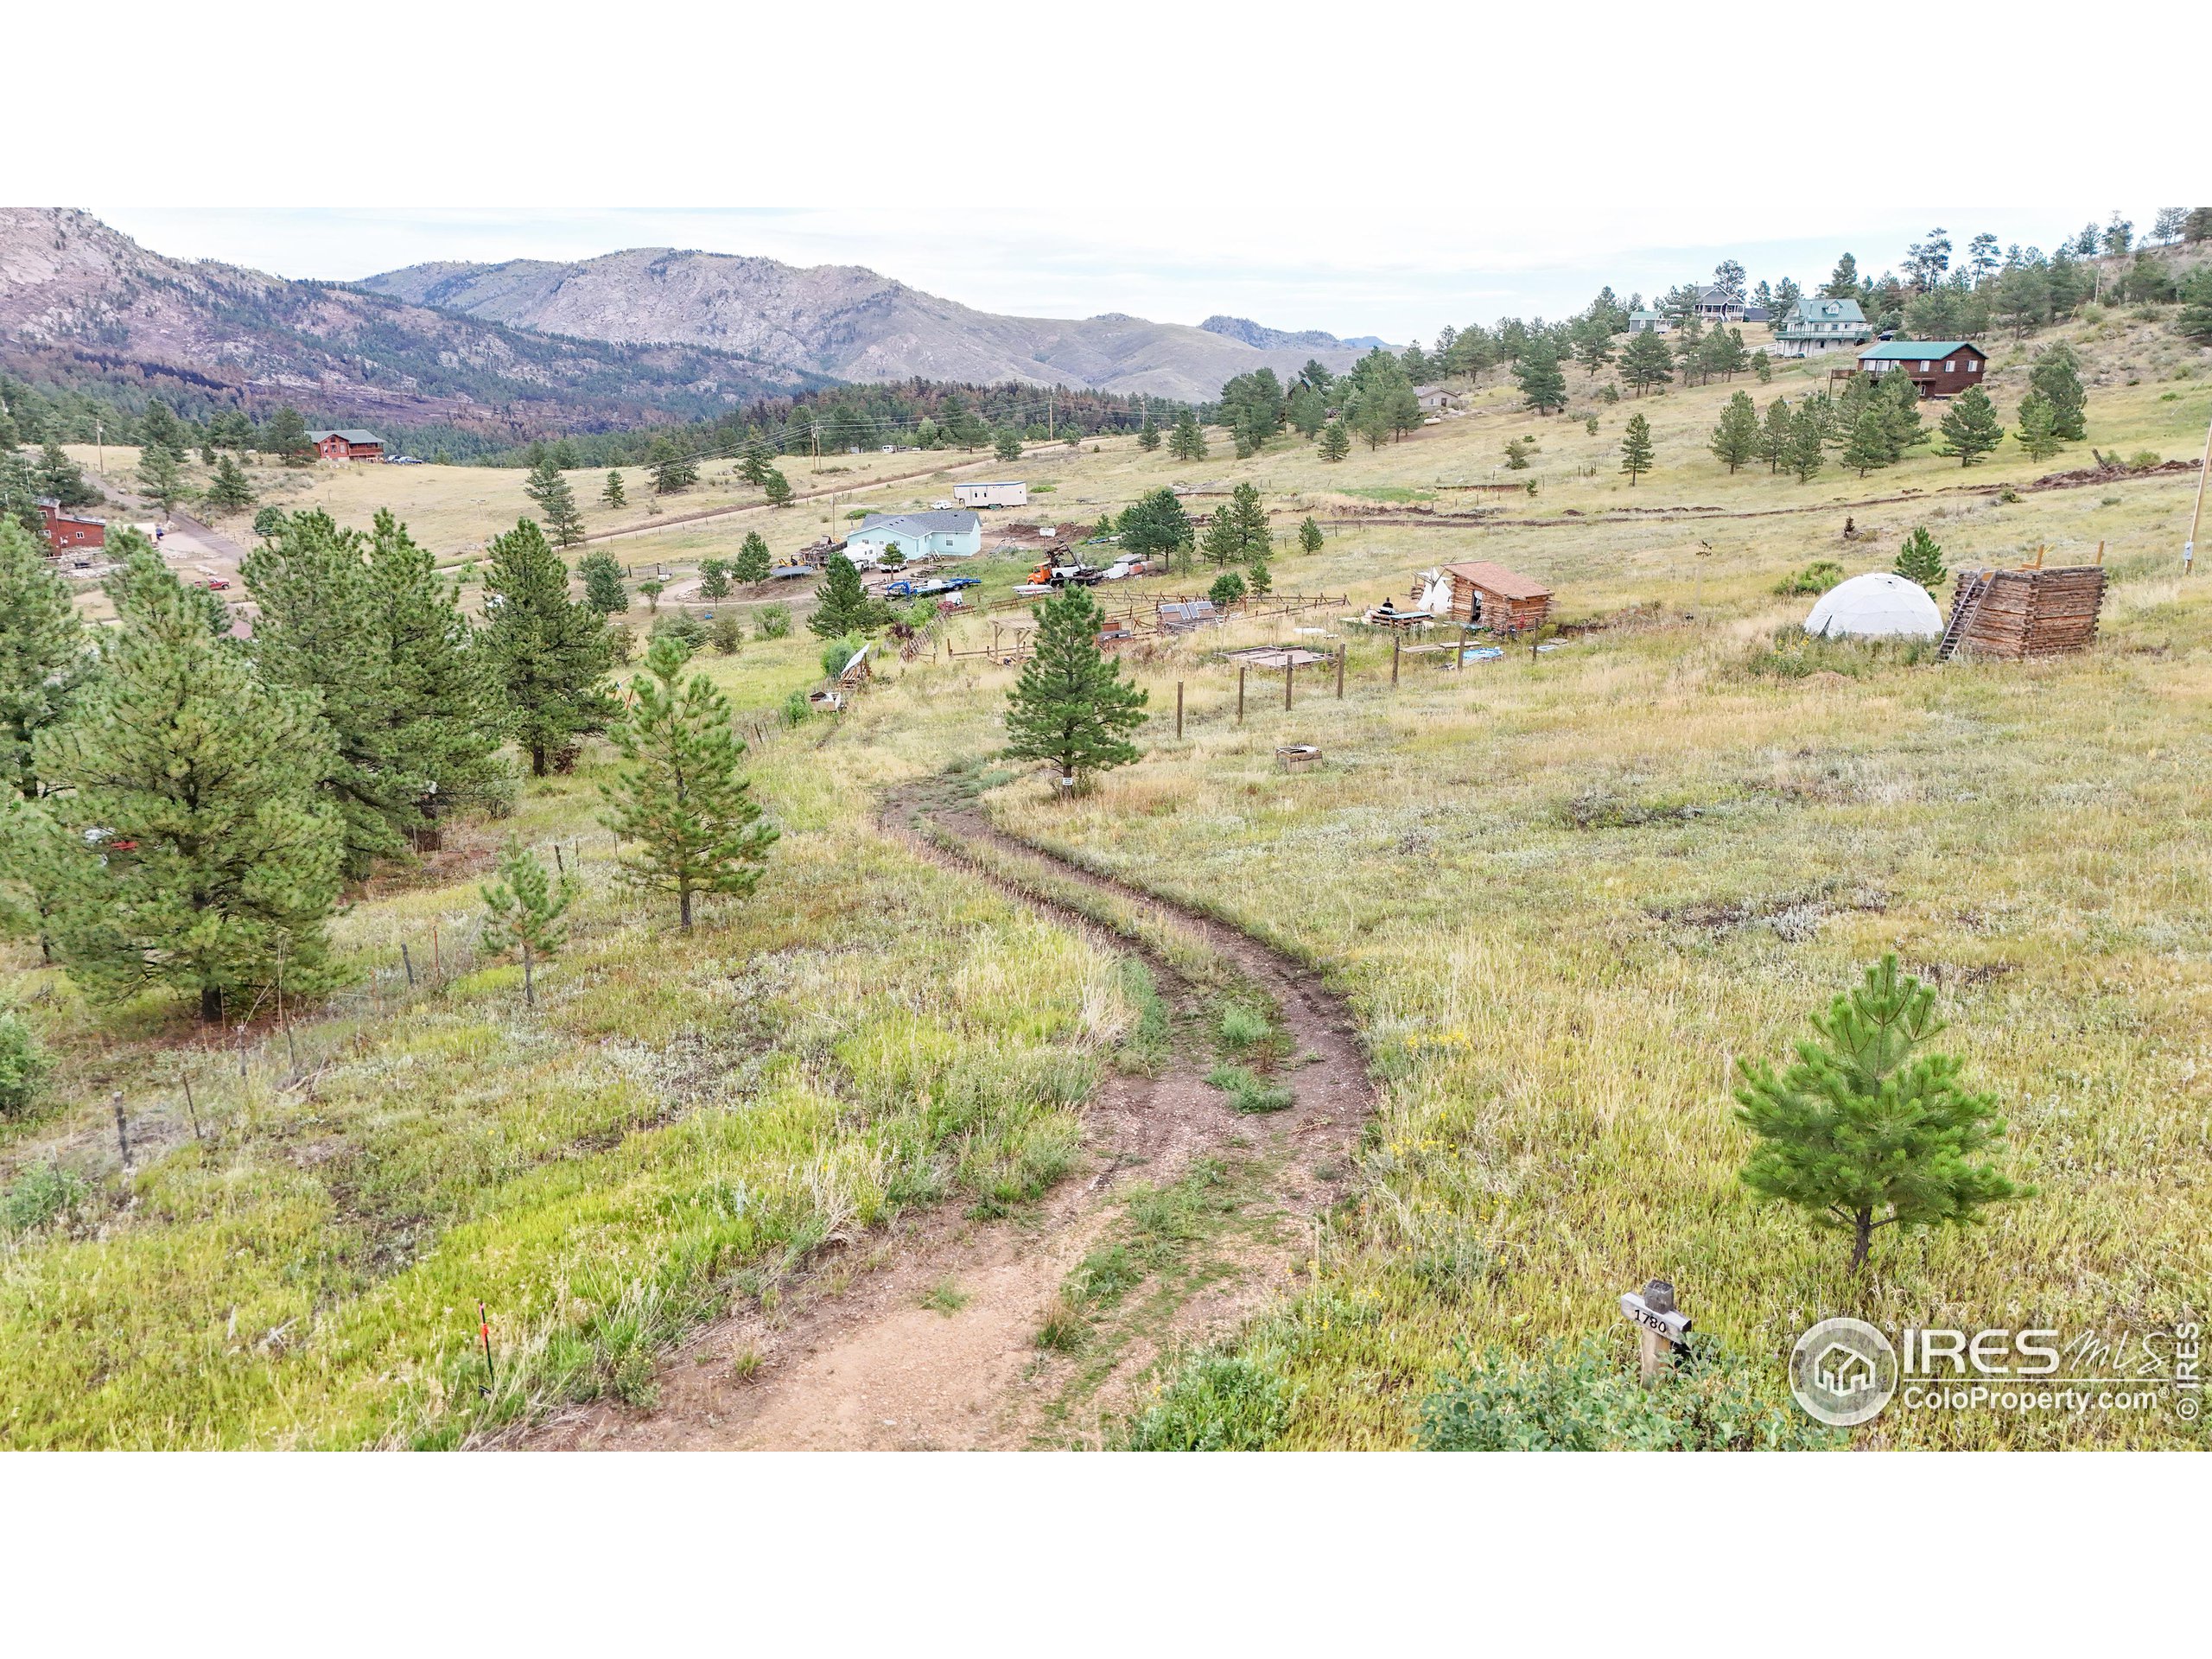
column 2196, row 517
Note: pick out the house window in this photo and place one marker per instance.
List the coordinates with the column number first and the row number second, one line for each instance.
column 1951, row 366
column 1924, row 366
column 1973, row 368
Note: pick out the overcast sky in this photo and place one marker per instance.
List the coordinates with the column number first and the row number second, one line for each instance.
column 1384, row 172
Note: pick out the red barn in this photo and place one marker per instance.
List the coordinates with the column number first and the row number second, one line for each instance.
column 65, row 531
column 355, row 445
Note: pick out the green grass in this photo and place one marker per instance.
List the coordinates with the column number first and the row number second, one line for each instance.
column 1250, row 1093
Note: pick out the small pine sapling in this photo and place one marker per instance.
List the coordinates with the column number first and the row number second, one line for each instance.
column 527, row 906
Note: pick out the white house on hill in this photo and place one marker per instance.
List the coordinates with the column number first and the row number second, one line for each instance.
column 957, row 535
column 1814, row 326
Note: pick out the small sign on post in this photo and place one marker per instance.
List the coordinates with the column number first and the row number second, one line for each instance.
column 1660, row 1326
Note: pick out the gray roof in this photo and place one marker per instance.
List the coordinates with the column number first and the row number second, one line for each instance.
column 351, row 435
column 922, row 523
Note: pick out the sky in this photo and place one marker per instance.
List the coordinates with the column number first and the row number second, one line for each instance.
column 1297, row 165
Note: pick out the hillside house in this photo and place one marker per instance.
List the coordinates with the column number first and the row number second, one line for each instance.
column 1648, row 323
column 934, row 535
column 1717, row 305
column 1941, row 368
column 65, row 531
column 1814, row 326
column 1494, row 597
column 352, row 444
column 1435, row 400
column 991, row 495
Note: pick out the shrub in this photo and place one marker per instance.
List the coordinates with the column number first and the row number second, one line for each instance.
column 1216, row 1403
column 684, row 626
column 1587, row 1398
column 1796, row 654
column 796, row 709
column 22, row 1065
column 772, row 621
column 837, row 654
column 37, row 1196
column 1228, row 588
column 2143, row 460
column 727, row 634
column 1816, row 578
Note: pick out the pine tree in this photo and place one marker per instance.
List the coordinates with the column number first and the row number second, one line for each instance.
column 159, row 428
column 695, row 824
column 2056, row 377
column 757, row 459
column 1806, row 453
column 1309, row 537
column 1255, row 536
column 714, row 578
column 843, row 608
column 1155, row 526
column 229, row 490
column 1594, row 350
column 19, row 495
column 1221, row 541
column 652, row 588
column 1542, row 385
column 556, row 503
column 1725, row 355
column 1071, row 707
column 1148, row 434
column 159, row 479
column 1970, row 427
column 1863, row 1131
column 1006, row 445
column 1636, row 448
column 1868, row 446
column 201, row 780
column 1736, row 440
column 2038, row 431
column 1920, row 559
column 672, row 468
column 1901, row 418
column 286, row 437
column 44, row 652
column 603, row 588
column 316, row 637
column 527, row 906
column 1646, row 362
column 1334, row 441
column 550, row 656
column 1260, row 576
column 611, row 494
column 1186, row 442
column 1762, row 367
column 62, row 478
column 752, row 560
column 777, row 489
column 1227, row 588
column 444, row 718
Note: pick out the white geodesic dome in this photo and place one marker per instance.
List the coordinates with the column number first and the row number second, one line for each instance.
column 1876, row 605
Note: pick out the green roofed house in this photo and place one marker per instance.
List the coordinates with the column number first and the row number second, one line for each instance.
column 1814, row 326
column 1939, row 367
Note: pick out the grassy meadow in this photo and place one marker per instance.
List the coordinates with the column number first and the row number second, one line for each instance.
column 1563, row 891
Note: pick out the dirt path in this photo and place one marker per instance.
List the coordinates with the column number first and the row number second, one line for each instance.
column 925, row 1335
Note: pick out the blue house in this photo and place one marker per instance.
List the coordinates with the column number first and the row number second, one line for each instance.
column 916, row 536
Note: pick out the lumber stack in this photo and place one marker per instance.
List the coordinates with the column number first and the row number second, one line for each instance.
column 2018, row 613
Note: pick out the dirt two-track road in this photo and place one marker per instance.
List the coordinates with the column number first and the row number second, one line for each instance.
column 925, row 1335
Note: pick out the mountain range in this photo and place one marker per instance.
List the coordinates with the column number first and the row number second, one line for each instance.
column 849, row 322
column 529, row 347
column 83, row 305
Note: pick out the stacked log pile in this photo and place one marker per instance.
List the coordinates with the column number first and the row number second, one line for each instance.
column 2018, row 613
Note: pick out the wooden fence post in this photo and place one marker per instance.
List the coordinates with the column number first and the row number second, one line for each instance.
column 1179, row 709
column 122, row 1133
column 408, row 962
column 1397, row 639
column 1340, row 673
column 1289, row 669
column 192, row 1107
column 1240, row 694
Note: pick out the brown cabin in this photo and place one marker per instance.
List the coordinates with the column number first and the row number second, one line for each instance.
column 1503, row 600
column 1941, row 368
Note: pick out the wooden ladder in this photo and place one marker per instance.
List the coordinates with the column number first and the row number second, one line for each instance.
column 1962, row 610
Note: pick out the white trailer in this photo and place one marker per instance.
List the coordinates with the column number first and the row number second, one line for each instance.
column 991, row 495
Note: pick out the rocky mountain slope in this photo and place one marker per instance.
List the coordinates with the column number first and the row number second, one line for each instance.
column 81, row 303
column 841, row 321
column 1253, row 334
